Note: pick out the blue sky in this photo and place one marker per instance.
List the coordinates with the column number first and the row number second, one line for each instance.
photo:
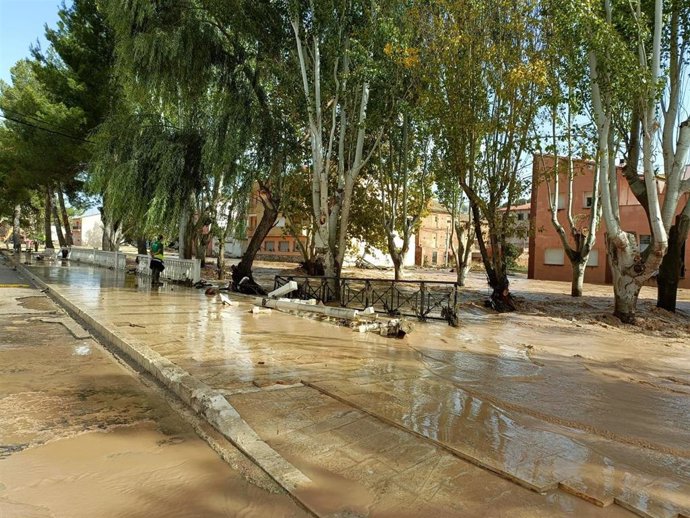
column 21, row 24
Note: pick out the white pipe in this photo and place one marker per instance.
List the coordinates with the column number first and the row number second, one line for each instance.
column 283, row 305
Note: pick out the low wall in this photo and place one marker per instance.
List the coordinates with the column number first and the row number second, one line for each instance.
column 175, row 269
column 112, row 260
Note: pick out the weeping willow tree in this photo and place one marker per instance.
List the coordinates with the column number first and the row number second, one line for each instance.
column 145, row 169
column 213, row 125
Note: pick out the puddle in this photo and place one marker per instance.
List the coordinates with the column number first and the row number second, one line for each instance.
column 39, row 303
column 132, row 471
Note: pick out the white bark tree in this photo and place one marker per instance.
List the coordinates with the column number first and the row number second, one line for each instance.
column 404, row 185
column 630, row 268
column 580, row 236
column 338, row 138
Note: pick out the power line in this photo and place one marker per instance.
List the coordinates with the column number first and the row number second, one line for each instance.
column 37, row 119
column 46, row 129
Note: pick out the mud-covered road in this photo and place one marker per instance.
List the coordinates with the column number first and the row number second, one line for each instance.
column 83, row 435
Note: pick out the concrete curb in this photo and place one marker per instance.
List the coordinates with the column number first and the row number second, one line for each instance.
column 205, row 401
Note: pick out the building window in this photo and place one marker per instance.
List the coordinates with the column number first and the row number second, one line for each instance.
column 593, row 259
column 283, row 246
column 270, row 246
column 588, row 200
column 645, row 241
column 554, row 256
column 252, row 223
column 295, row 246
column 434, row 257
column 561, row 201
column 436, row 221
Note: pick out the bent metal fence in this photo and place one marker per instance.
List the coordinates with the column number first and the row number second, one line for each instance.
column 421, row 299
column 184, row 270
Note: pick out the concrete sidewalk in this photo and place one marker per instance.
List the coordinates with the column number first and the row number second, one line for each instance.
column 358, row 423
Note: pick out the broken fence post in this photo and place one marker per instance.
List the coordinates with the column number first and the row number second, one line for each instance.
column 283, row 290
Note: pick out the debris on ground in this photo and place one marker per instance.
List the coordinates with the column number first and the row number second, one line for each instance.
column 225, row 300
column 395, row 327
column 364, row 321
column 283, row 290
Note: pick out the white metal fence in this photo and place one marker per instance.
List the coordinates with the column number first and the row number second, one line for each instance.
column 175, row 269
column 113, row 260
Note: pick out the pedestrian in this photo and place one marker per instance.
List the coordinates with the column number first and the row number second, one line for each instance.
column 157, row 265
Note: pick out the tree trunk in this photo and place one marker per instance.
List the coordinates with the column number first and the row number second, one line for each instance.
column 184, row 249
column 69, row 239
column 141, row 246
column 628, row 273
column 579, row 268
column 105, row 238
column 222, row 238
column 671, row 265
column 220, row 260
column 461, row 271
column 463, row 255
column 111, row 233
column 496, row 270
column 58, row 227
column 244, row 268
column 16, row 230
column 625, row 291
column 397, row 267
column 202, row 245
column 48, row 207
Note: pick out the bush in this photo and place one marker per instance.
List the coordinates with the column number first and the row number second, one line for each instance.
column 511, row 253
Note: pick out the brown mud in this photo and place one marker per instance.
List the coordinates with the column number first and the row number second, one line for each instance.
column 546, row 399
column 80, row 436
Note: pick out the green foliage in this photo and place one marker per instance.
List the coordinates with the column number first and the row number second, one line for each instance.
column 512, row 253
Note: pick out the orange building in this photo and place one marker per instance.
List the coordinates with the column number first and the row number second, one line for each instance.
column 432, row 240
column 279, row 244
column 547, row 259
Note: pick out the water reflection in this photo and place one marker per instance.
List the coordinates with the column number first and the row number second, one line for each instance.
column 517, row 398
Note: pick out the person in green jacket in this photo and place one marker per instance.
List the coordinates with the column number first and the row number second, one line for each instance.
column 157, row 265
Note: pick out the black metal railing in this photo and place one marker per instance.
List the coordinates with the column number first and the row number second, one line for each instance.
column 421, row 299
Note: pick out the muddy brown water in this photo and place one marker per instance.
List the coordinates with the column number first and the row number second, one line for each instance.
column 80, row 436
column 597, row 410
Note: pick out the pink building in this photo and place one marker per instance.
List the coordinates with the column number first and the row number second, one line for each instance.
column 547, row 259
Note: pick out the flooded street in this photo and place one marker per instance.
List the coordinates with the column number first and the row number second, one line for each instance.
column 508, row 415
column 81, row 436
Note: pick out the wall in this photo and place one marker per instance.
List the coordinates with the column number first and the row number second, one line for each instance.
column 544, row 238
column 432, row 237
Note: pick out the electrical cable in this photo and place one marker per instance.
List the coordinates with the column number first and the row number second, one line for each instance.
column 46, row 129
column 37, row 119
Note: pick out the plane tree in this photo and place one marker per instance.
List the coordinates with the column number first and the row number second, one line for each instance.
column 634, row 50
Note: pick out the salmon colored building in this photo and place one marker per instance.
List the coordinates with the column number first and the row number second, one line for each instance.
column 547, row 259
column 279, row 244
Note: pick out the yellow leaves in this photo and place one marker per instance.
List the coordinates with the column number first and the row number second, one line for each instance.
column 532, row 72
column 408, row 57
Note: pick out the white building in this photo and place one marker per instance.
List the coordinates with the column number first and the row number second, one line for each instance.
column 87, row 229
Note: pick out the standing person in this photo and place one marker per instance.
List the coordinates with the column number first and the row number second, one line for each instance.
column 157, row 265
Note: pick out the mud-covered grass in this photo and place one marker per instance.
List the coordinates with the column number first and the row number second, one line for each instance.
column 539, row 298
